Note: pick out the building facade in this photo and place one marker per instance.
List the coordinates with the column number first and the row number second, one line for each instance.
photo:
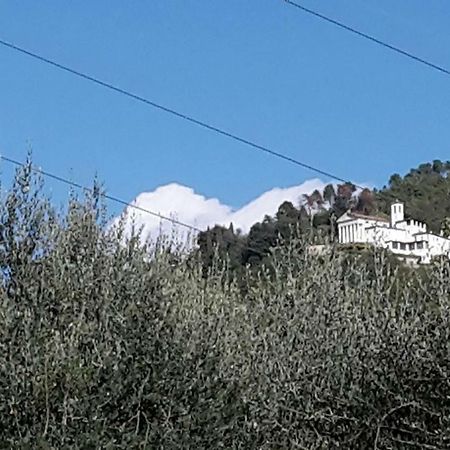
column 408, row 239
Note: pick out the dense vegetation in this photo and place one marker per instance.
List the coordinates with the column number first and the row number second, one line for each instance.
column 102, row 346
column 425, row 192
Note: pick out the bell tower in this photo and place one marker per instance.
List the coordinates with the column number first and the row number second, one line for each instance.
column 397, row 213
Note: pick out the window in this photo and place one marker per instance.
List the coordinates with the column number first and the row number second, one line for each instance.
column 419, row 245
column 411, row 246
column 395, row 245
column 402, row 246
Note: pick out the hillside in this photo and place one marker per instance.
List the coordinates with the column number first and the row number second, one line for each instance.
column 424, row 190
column 104, row 347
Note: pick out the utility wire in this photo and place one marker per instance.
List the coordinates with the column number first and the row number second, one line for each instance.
column 368, row 37
column 175, row 113
column 106, row 196
column 118, row 200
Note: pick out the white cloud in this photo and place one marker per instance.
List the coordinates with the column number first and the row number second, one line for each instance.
column 268, row 203
column 183, row 204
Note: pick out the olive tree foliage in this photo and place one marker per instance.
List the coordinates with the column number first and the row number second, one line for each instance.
column 105, row 346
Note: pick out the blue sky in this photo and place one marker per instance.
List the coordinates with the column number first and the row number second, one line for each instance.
column 258, row 68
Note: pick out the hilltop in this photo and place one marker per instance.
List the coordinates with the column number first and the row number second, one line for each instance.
column 425, row 190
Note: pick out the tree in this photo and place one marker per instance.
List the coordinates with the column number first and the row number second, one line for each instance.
column 438, row 166
column 394, row 180
column 262, row 237
column 317, row 198
column 221, row 242
column 329, row 194
column 425, row 192
column 344, row 198
column 288, row 221
column 105, row 345
column 366, row 202
column 446, row 227
column 312, row 203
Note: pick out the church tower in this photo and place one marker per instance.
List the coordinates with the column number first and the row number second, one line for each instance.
column 397, row 213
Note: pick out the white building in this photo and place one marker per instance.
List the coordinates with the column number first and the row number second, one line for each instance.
column 408, row 239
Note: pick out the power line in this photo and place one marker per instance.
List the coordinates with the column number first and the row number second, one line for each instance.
column 118, row 200
column 173, row 112
column 106, row 196
column 368, row 36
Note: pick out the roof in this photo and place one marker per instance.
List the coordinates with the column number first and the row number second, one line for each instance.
column 363, row 216
column 408, row 242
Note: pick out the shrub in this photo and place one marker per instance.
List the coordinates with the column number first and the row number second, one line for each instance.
column 103, row 345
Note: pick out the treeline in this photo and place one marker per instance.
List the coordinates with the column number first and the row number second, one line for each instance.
column 425, row 192
column 104, row 344
column 314, row 218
